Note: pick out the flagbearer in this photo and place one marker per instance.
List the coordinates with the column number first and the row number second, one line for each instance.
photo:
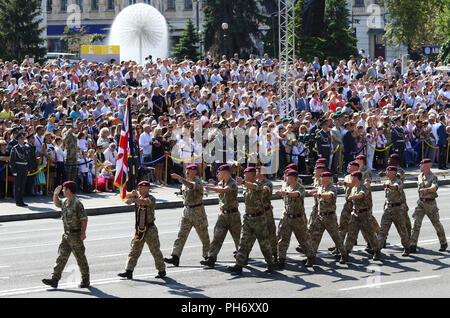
column 146, row 231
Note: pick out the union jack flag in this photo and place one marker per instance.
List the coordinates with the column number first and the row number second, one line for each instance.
column 121, row 177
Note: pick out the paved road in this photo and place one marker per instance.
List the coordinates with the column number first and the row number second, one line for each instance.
column 28, row 251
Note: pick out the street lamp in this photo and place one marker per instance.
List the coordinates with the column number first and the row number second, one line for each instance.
column 197, row 14
column 225, row 28
column 200, row 35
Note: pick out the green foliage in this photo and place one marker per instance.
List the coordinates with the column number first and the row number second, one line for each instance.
column 187, row 45
column 417, row 23
column 20, row 31
column 444, row 55
column 74, row 38
column 242, row 35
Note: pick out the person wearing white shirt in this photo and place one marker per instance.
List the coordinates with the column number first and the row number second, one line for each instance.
column 262, row 101
column 326, row 68
column 111, row 154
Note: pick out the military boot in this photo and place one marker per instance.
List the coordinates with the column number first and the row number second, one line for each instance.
column 51, row 282
column 270, row 269
column 235, row 270
column 281, row 263
column 275, row 257
column 84, row 283
column 309, row 262
column 161, row 274
column 209, row 262
column 405, row 252
column 343, row 259
column 331, row 249
column 413, row 249
column 369, row 249
column 299, row 249
column 128, row 274
column 175, row 260
column 443, row 247
column 377, row 256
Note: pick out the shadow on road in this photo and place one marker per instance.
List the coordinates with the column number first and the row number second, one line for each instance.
column 176, row 288
column 92, row 291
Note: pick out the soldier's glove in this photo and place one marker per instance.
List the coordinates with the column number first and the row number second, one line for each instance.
column 14, row 174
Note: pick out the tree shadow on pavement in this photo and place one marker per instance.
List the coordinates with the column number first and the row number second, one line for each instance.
column 92, row 291
column 176, row 288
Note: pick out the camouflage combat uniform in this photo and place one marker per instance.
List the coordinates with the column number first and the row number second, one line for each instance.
column 254, row 226
column 367, row 175
column 194, row 215
column 71, row 145
column 347, row 209
column 72, row 214
column 426, row 205
column 326, row 219
column 293, row 220
column 313, row 215
column 361, row 220
column 401, row 176
column 146, row 232
column 393, row 213
column 229, row 218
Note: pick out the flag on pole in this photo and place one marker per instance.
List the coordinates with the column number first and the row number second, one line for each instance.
column 121, row 177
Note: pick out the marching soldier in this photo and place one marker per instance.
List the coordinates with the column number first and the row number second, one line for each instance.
column 254, row 224
column 145, row 231
column 347, row 209
column 229, row 218
column 361, row 218
column 394, row 161
column 194, row 214
column 74, row 219
column 293, row 220
column 426, row 205
column 393, row 211
column 326, row 218
column 323, row 141
column 71, row 145
column 20, row 165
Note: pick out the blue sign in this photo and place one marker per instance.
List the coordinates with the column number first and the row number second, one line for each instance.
column 427, row 50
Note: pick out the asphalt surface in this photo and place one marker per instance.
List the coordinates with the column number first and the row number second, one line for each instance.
column 28, row 250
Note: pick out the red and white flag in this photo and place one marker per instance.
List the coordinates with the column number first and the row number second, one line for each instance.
column 121, row 177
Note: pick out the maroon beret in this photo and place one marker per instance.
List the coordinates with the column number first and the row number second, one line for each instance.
column 392, row 168
column 320, row 167
column 292, row 166
column 326, row 174
column 424, row 161
column 192, row 167
column 354, row 163
column 291, row 172
column 250, row 169
column 321, row 160
column 144, row 184
column 224, row 168
column 361, row 157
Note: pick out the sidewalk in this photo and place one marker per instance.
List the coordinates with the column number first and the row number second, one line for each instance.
column 42, row 207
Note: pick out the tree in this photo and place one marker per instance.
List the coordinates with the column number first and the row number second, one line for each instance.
column 417, row 23
column 187, row 45
column 444, row 55
column 74, row 38
column 20, row 30
column 242, row 17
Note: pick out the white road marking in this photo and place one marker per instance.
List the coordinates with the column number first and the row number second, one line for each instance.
column 390, row 283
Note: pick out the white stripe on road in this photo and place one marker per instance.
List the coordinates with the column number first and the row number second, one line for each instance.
column 390, row 283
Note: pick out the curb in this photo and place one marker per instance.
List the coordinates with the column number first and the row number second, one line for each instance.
column 52, row 214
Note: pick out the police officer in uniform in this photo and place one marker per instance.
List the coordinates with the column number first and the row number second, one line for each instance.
column 145, row 231
column 293, row 220
column 74, row 219
column 194, row 214
column 229, row 218
column 19, row 163
column 324, row 141
column 426, row 205
column 254, row 224
column 398, row 140
column 393, row 211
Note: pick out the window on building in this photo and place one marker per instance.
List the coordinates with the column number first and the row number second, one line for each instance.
column 63, row 5
column 110, row 5
column 171, row 5
column 359, row 3
column 94, row 5
column 130, row 2
column 187, row 4
column 49, row 6
column 79, row 3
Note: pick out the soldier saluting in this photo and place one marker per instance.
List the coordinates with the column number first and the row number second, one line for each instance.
column 20, row 165
column 145, row 231
column 74, row 219
column 194, row 214
column 229, row 218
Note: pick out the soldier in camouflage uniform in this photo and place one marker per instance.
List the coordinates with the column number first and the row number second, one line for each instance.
column 426, row 205
column 394, row 161
column 75, row 223
column 367, row 180
column 229, row 218
column 145, row 231
column 326, row 215
column 194, row 214
column 71, row 145
column 360, row 219
column 254, row 224
column 393, row 210
column 293, row 220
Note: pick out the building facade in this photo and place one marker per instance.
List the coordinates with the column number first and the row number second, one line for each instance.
column 97, row 16
column 368, row 22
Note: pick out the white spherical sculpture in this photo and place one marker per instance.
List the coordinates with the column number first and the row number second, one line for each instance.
column 140, row 30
